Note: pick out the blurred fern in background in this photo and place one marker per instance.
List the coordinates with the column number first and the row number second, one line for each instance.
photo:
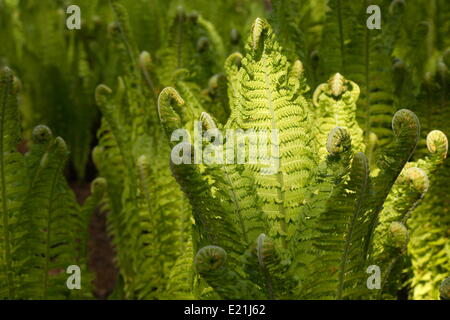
column 58, row 68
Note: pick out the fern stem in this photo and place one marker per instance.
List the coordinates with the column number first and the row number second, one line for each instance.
column 386, row 277
column 348, row 238
column 7, row 240
column 149, row 82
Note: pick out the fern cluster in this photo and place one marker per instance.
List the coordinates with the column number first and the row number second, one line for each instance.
column 149, row 217
column 405, row 64
column 324, row 177
column 43, row 229
column 311, row 229
column 354, row 180
column 59, row 68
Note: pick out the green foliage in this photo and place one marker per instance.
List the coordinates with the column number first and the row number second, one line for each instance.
column 423, row 79
column 352, row 179
column 148, row 217
column 429, row 223
column 59, row 69
column 321, row 215
column 411, row 36
column 43, row 229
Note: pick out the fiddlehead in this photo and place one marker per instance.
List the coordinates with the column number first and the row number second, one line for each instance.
column 168, row 102
column 444, row 289
column 338, row 141
column 211, row 263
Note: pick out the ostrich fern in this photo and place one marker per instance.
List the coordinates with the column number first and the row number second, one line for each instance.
column 329, row 210
column 311, row 229
column 359, row 181
column 43, row 229
column 422, row 79
column 59, row 68
column 149, row 217
column 430, row 221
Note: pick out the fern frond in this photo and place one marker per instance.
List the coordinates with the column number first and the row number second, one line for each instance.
column 268, row 102
column 11, row 178
column 336, row 104
column 49, row 245
column 368, row 63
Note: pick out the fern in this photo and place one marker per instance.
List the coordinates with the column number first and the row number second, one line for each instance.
column 149, row 221
column 424, row 67
column 356, row 180
column 433, row 210
column 73, row 60
column 12, row 193
column 321, row 216
column 41, row 220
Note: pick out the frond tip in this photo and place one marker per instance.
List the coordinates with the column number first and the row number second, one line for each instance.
column 6, row 73
column 169, row 105
column 207, row 121
column 210, row 258
column 145, row 60
column 41, row 134
column 61, row 146
column 338, row 141
column 259, row 26
column 233, row 61
column 417, row 177
column 437, row 143
column 9, row 80
column 101, row 92
column 405, row 122
column 398, row 235
column 98, row 186
column 337, row 84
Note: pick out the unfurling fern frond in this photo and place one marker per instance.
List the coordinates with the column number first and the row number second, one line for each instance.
column 211, row 262
column 336, row 103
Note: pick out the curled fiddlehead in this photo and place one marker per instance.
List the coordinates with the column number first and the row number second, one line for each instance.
column 444, row 289
column 398, row 236
column 41, row 134
column 169, row 100
column 258, row 28
column 437, row 143
column 210, row 258
column 338, row 141
column 211, row 263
